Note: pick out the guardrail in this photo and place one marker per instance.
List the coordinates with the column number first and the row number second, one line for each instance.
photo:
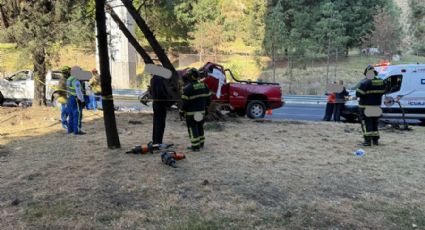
column 133, row 94
column 304, row 99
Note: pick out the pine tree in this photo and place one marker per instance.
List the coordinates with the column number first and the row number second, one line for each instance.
column 276, row 34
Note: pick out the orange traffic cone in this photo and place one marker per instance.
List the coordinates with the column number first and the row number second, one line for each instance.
column 269, row 112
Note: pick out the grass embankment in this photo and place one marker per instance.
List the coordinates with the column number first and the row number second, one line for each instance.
column 271, row 175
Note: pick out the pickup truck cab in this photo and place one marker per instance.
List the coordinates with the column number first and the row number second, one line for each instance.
column 244, row 97
column 406, row 83
column 19, row 86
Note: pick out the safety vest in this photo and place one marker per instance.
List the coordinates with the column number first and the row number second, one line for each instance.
column 70, row 85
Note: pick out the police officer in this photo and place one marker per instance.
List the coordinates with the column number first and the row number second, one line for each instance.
column 75, row 105
column 196, row 98
column 370, row 94
column 62, row 99
column 161, row 103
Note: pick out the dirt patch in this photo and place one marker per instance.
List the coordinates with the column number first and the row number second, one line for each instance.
column 270, row 175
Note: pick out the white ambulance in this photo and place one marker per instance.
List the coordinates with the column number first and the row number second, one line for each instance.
column 406, row 85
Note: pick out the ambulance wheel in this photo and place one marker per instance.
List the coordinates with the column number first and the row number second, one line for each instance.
column 1, row 99
column 256, row 109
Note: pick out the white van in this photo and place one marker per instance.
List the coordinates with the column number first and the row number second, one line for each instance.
column 19, row 86
column 406, row 82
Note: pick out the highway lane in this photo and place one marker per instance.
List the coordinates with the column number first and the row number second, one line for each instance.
column 308, row 112
column 292, row 111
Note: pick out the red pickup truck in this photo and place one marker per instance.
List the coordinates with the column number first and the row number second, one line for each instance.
column 243, row 97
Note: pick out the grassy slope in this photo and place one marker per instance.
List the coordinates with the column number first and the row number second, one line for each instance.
column 260, row 175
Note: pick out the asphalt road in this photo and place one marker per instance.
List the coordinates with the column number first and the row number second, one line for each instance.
column 308, row 112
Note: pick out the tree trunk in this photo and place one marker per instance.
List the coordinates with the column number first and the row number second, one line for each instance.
column 40, row 69
column 4, row 17
column 146, row 58
column 290, row 74
column 174, row 85
column 112, row 137
column 274, row 65
column 328, row 62
column 336, row 63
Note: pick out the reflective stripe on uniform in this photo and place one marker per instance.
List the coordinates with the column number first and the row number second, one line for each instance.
column 375, row 92
column 371, row 134
column 360, row 91
column 377, row 82
column 184, row 97
column 193, row 113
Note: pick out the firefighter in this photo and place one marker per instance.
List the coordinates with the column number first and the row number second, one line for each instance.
column 196, row 98
column 161, row 103
column 75, row 105
column 370, row 94
column 62, row 99
column 96, row 89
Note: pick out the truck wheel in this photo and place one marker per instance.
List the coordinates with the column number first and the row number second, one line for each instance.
column 256, row 109
column 1, row 99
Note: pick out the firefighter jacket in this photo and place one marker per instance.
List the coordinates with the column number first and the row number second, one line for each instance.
column 370, row 92
column 61, row 88
column 94, row 83
column 196, row 98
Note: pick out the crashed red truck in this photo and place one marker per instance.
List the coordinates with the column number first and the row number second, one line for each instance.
column 242, row 97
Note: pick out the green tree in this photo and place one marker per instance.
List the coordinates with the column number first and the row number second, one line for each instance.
column 276, row 34
column 386, row 33
column 417, row 21
column 40, row 28
column 254, row 22
column 330, row 32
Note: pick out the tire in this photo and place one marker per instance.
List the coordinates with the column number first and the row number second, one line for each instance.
column 350, row 118
column 256, row 109
column 1, row 99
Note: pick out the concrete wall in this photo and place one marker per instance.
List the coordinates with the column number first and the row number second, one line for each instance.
column 122, row 54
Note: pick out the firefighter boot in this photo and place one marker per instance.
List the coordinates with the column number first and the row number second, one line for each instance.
column 367, row 142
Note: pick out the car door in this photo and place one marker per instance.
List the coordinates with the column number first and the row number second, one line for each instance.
column 19, row 85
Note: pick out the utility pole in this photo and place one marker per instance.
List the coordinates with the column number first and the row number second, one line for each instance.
column 112, row 137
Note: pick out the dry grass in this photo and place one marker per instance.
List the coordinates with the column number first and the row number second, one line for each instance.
column 271, row 175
